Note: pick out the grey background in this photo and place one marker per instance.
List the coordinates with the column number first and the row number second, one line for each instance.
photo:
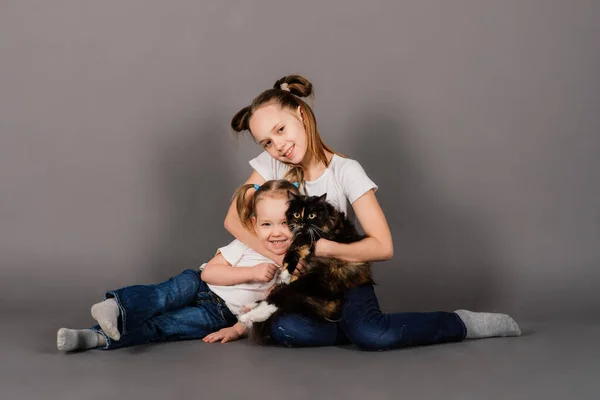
column 479, row 121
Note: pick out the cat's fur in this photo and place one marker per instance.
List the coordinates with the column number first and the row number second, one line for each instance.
column 317, row 294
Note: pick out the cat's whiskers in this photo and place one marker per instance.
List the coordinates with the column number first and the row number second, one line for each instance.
column 318, row 229
column 312, row 235
column 320, row 232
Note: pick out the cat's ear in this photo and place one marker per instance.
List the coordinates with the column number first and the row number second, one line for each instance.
column 292, row 195
column 322, row 198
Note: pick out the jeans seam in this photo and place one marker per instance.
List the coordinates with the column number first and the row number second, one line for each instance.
column 121, row 309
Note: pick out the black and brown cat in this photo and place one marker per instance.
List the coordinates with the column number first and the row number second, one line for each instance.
column 319, row 292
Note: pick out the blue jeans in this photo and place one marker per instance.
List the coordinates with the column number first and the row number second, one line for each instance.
column 180, row 308
column 363, row 324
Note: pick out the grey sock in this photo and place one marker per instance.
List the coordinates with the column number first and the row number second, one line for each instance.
column 482, row 324
column 78, row 339
column 107, row 315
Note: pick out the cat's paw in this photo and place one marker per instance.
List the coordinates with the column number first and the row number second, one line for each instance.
column 246, row 320
column 285, row 276
column 258, row 314
column 289, row 264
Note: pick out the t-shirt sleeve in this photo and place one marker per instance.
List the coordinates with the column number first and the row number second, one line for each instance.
column 355, row 181
column 268, row 167
column 233, row 251
column 263, row 164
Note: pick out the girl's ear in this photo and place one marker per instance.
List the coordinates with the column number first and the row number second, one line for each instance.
column 299, row 112
column 253, row 219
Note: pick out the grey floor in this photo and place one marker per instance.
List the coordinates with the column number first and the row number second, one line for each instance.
column 550, row 361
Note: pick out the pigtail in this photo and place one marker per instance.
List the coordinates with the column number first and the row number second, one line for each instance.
column 244, row 207
column 296, row 174
column 240, row 121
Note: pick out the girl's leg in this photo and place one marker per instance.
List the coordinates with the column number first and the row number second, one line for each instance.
column 293, row 330
column 138, row 303
column 370, row 329
column 207, row 315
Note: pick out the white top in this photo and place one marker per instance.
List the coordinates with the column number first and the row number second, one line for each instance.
column 344, row 180
column 235, row 296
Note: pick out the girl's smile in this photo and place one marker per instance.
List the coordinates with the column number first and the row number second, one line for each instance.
column 271, row 225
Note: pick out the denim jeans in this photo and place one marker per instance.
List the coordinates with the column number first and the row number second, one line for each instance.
column 363, row 324
column 180, row 308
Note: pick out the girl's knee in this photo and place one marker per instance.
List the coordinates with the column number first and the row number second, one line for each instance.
column 192, row 273
column 187, row 283
column 192, row 276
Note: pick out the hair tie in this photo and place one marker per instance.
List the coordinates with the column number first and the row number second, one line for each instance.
column 285, row 86
column 295, row 184
column 256, row 186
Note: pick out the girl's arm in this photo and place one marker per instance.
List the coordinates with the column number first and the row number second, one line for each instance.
column 234, row 226
column 377, row 246
column 219, row 272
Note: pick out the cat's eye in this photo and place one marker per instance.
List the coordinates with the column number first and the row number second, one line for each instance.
column 296, row 215
column 312, row 216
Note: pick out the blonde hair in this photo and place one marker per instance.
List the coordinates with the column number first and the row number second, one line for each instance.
column 287, row 93
column 247, row 209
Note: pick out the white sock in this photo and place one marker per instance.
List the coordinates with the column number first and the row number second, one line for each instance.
column 78, row 339
column 483, row 325
column 107, row 315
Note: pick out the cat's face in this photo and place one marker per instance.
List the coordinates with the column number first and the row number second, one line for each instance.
column 308, row 213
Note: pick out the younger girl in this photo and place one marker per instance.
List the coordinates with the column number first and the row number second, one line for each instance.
column 285, row 126
column 195, row 304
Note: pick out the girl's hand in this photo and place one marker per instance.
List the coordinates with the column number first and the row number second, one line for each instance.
column 263, row 272
column 226, row 334
column 322, row 247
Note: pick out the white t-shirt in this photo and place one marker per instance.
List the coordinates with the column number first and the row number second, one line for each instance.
column 344, row 180
column 239, row 255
